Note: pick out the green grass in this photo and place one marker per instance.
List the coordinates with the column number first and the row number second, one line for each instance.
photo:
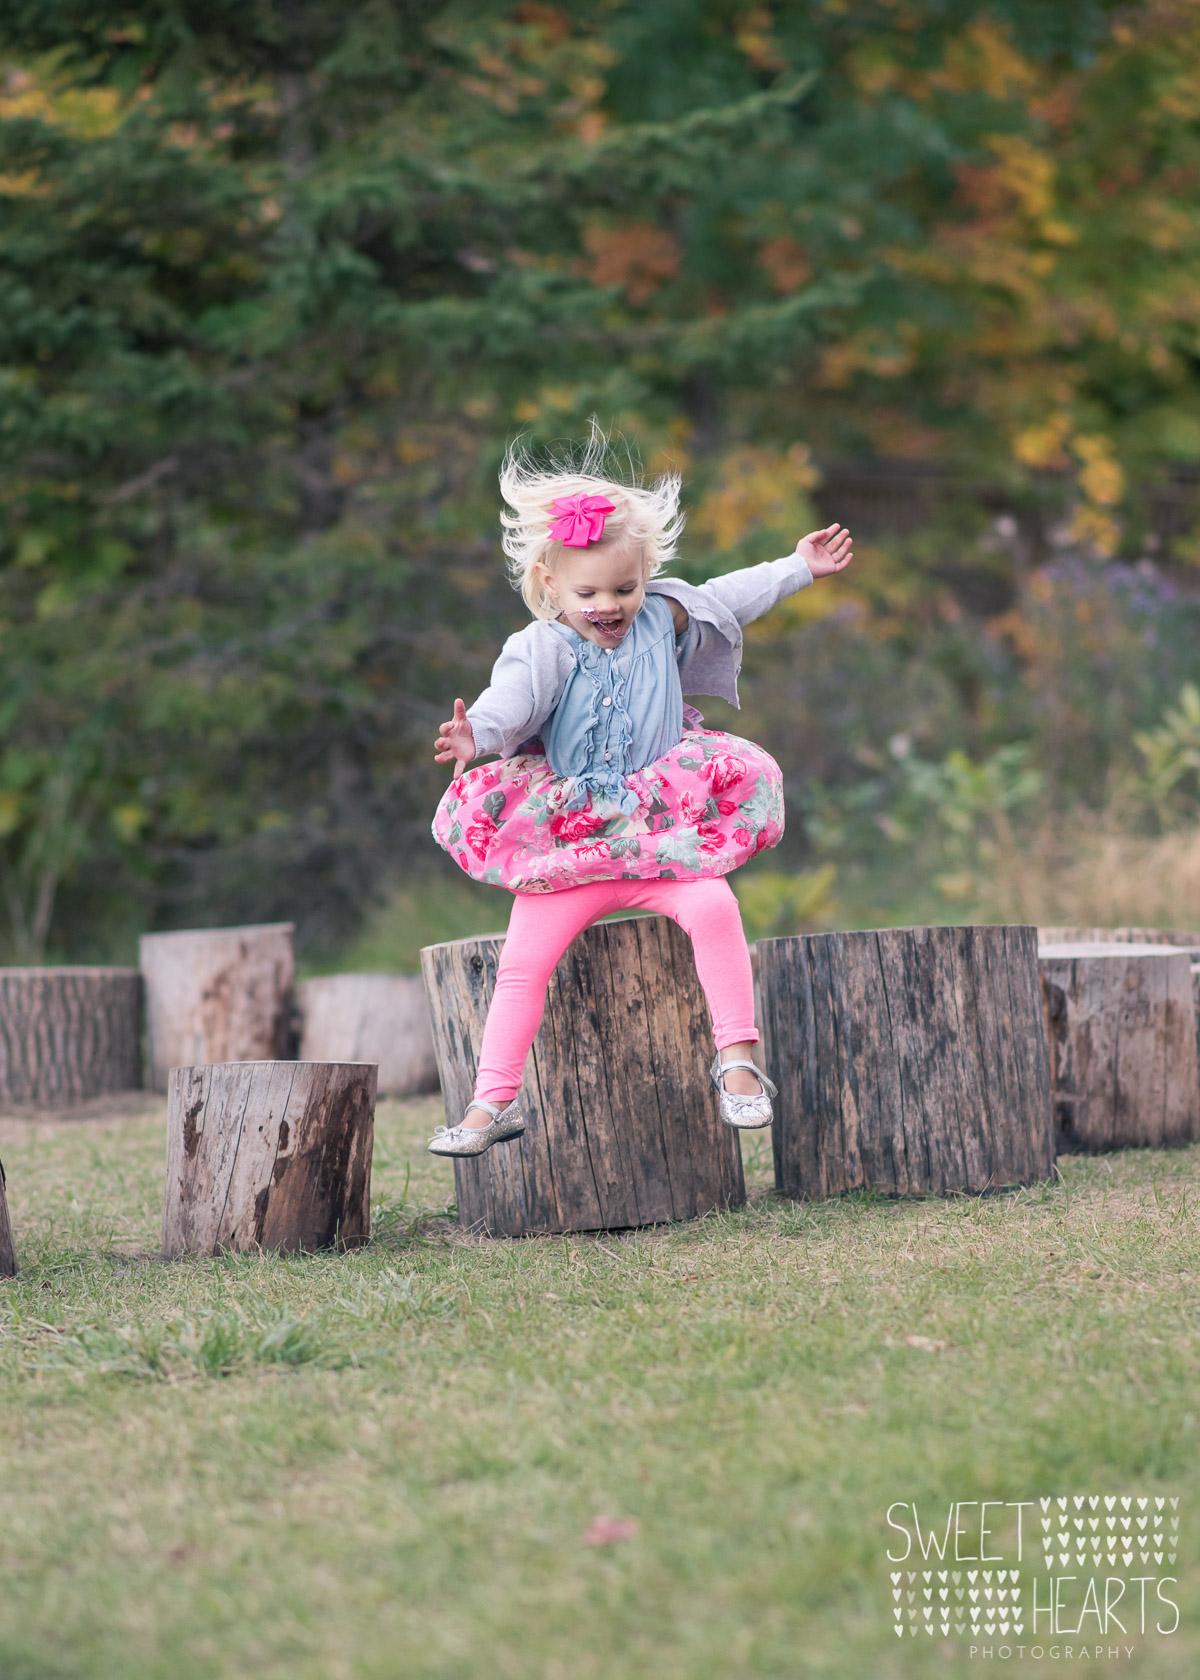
column 382, row 1464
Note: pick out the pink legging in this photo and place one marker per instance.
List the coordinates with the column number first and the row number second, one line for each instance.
column 544, row 924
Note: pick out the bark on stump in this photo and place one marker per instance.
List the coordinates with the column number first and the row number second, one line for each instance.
column 1121, row 1020
column 273, row 1155
column 909, row 1061
column 67, row 1034
column 620, row 1114
column 8, row 1253
column 382, row 1018
column 218, row 995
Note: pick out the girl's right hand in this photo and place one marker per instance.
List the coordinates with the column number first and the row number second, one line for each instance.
column 456, row 741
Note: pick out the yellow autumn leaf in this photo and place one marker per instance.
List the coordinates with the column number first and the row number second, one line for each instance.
column 129, row 820
column 1103, row 482
column 1042, row 445
column 25, row 183
column 41, row 90
column 983, row 59
column 756, row 490
column 1027, row 172
column 1093, row 528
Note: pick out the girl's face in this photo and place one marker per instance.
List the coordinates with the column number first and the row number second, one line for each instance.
column 599, row 590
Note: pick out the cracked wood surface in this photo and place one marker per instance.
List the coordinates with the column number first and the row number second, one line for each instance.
column 273, row 1155
column 620, row 1114
column 910, row 1061
column 1121, row 1021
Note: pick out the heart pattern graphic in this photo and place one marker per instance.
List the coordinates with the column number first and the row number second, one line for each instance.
column 1102, row 1532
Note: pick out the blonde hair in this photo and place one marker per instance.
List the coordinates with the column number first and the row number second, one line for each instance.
column 644, row 515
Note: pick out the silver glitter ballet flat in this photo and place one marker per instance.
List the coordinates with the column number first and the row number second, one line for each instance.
column 473, row 1140
column 746, row 1113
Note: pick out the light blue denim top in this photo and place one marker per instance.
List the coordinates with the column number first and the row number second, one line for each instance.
column 621, row 708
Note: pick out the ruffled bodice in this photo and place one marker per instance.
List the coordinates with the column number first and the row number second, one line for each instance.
column 621, row 708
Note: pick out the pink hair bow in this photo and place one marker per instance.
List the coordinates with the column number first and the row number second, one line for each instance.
column 580, row 519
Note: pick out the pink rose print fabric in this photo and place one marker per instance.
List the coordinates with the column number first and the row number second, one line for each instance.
column 705, row 808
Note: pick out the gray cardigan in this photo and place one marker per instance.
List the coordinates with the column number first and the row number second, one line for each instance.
column 529, row 676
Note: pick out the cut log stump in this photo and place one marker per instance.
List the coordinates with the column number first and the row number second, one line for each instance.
column 273, row 1155
column 1121, row 936
column 1179, row 937
column 1121, row 1021
column 909, row 1061
column 382, row 1018
column 8, row 1253
column 67, row 1034
column 620, row 1114
column 218, row 995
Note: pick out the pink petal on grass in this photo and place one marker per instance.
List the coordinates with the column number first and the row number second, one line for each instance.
column 606, row 1531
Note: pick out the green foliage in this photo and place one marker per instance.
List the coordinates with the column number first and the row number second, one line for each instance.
column 278, row 283
column 973, row 805
column 965, row 795
column 774, row 903
column 215, row 1344
column 436, row 907
column 1170, row 779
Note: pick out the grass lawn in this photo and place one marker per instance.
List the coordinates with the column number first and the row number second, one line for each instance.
column 384, row 1464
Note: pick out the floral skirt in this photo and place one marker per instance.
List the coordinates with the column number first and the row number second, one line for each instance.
column 704, row 808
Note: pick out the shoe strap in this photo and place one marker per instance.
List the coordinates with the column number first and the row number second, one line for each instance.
column 487, row 1107
column 722, row 1068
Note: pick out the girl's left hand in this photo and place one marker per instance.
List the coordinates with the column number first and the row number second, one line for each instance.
column 826, row 551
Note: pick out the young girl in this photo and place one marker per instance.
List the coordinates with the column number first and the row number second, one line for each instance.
column 610, row 794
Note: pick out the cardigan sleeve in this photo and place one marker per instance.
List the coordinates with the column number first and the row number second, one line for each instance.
column 754, row 590
column 518, row 700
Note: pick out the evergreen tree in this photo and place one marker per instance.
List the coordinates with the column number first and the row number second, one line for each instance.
column 277, row 283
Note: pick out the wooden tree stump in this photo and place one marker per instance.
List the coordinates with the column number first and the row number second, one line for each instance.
column 218, row 995
column 67, row 1034
column 273, row 1155
column 758, row 1003
column 909, row 1061
column 1179, row 937
column 382, row 1018
column 1121, row 1021
column 620, row 1114
column 1119, row 936
column 8, row 1253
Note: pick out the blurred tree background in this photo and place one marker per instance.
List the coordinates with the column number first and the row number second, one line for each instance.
column 280, row 279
